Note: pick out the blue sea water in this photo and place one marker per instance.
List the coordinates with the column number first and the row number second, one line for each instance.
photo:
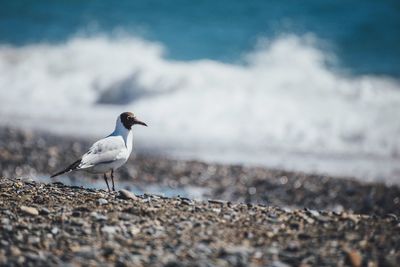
column 363, row 34
column 303, row 85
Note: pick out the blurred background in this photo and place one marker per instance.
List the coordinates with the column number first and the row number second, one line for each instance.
column 308, row 86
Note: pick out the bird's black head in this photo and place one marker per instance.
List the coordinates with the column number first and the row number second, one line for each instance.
column 128, row 120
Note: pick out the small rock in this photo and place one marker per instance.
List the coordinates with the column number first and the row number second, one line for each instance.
column 55, row 230
column 44, row 211
column 134, row 230
column 98, row 217
column 8, row 227
column 354, row 257
column 278, row 263
column 29, row 210
column 18, row 185
column 392, row 216
column 29, row 181
column 293, row 246
column 186, row 202
column 125, row 216
column 5, row 221
column 76, row 213
column 273, row 251
column 33, row 240
column 216, row 201
column 109, row 230
column 15, row 251
column 258, row 254
column 102, row 201
column 352, row 217
column 314, row 213
column 216, row 210
column 125, row 194
column 391, row 261
column 77, row 221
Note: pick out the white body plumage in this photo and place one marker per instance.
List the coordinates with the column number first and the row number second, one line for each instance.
column 108, row 153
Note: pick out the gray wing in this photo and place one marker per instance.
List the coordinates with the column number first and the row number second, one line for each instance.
column 103, row 151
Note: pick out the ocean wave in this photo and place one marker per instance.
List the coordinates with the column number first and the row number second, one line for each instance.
column 281, row 98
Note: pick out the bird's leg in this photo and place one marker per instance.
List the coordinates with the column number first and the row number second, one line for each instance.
column 105, row 179
column 112, row 179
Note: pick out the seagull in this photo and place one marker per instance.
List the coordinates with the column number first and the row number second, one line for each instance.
column 109, row 153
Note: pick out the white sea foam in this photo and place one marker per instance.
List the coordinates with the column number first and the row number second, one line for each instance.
column 281, row 107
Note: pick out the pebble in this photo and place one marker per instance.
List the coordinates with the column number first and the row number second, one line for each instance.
column 354, row 257
column 278, row 263
column 125, row 194
column 314, row 213
column 102, row 201
column 98, row 217
column 187, row 202
column 125, row 216
column 216, row 201
column 134, row 230
column 33, row 240
column 15, row 251
column 5, row 221
column 7, row 227
column 18, row 185
column 29, row 210
column 77, row 221
column 109, row 229
column 44, row 211
column 55, row 230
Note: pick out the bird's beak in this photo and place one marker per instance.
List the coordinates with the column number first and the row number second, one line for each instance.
column 136, row 121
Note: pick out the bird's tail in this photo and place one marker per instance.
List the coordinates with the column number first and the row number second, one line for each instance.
column 71, row 167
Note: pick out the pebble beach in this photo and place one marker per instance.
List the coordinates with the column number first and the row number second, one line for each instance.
column 245, row 216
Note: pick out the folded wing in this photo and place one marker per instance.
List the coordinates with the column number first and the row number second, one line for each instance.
column 103, row 151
